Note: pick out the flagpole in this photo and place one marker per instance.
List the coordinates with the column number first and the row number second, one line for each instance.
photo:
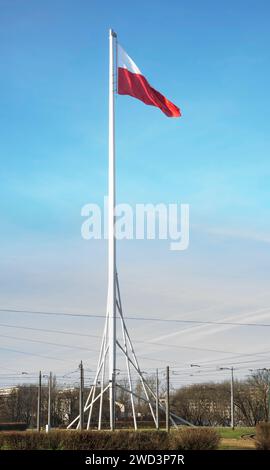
column 111, row 234
column 106, row 365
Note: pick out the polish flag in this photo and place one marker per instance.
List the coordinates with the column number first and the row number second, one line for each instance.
column 132, row 82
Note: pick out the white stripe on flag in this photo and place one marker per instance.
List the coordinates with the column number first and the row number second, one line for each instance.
column 125, row 62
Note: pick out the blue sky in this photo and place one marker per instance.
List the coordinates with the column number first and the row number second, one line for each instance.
column 210, row 58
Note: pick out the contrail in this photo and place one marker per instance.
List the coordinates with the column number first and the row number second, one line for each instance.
column 201, row 331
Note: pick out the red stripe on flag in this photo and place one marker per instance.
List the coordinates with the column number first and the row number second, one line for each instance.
column 136, row 85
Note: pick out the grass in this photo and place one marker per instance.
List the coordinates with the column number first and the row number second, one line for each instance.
column 237, row 444
column 231, row 439
column 236, row 433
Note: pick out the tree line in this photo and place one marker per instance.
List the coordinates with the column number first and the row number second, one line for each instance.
column 205, row 404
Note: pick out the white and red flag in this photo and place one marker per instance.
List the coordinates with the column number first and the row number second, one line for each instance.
column 132, row 82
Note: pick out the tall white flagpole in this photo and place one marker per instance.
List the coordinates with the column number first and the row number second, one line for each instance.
column 111, row 234
column 107, row 356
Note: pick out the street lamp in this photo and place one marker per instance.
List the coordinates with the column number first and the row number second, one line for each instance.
column 232, row 394
column 49, row 377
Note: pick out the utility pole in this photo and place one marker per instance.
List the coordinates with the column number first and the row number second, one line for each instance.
column 49, row 400
column 232, row 399
column 168, row 399
column 81, row 396
column 232, row 393
column 39, row 403
column 157, row 400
